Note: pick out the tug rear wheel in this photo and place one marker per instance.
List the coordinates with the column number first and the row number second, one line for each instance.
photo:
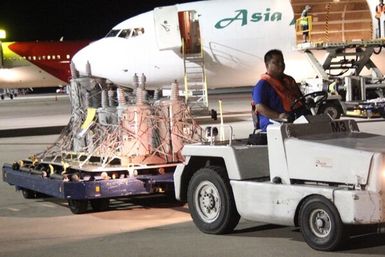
column 321, row 225
column 211, row 201
column 78, row 206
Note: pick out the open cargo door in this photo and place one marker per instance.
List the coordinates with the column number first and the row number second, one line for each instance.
column 336, row 21
column 167, row 27
column 190, row 32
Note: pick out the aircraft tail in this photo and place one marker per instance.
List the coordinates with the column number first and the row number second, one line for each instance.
column 1, row 56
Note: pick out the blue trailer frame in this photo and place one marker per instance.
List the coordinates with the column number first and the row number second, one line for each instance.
column 79, row 192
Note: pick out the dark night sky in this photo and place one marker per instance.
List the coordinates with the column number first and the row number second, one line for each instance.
column 30, row 20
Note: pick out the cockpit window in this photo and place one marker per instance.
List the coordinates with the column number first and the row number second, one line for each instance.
column 113, row 33
column 138, row 32
column 125, row 33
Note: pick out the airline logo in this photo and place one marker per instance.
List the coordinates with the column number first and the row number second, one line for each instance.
column 242, row 18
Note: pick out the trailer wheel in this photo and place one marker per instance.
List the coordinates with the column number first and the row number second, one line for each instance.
column 382, row 112
column 100, row 204
column 332, row 109
column 78, row 206
column 321, row 225
column 211, row 201
column 28, row 194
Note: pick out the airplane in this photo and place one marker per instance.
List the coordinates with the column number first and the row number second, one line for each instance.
column 234, row 36
column 26, row 65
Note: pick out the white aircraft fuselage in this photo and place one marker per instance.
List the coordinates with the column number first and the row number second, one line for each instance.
column 234, row 35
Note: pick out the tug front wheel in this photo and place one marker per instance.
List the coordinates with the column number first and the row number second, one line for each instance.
column 321, row 225
column 211, row 201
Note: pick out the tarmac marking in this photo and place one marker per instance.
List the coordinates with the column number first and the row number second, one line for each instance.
column 47, row 205
column 13, row 209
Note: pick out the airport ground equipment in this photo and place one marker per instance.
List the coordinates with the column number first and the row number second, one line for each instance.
column 11, row 93
column 319, row 174
column 323, row 103
column 361, row 95
column 117, row 144
column 332, row 105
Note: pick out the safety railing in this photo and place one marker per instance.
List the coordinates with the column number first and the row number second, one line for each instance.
column 300, row 27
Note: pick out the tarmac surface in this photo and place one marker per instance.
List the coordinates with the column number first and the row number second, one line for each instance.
column 134, row 227
column 34, row 115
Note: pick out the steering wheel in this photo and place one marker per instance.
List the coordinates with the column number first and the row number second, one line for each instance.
column 308, row 100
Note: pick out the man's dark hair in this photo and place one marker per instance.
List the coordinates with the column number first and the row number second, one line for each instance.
column 269, row 55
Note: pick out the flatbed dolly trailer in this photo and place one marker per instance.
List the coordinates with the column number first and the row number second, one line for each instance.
column 111, row 147
column 319, row 174
column 372, row 108
column 88, row 184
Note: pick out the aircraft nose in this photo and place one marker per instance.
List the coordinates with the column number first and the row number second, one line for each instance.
column 108, row 58
column 103, row 58
column 82, row 58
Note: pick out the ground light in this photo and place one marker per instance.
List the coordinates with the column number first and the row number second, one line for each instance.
column 3, row 34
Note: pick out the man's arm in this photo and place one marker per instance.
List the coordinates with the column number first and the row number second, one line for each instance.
column 269, row 113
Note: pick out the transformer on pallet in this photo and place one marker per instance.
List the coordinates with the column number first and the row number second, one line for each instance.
column 117, row 143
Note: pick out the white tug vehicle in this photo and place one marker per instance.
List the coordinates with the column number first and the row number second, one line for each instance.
column 319, row 174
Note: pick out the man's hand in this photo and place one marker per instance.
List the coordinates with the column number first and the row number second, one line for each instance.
column 283, row 116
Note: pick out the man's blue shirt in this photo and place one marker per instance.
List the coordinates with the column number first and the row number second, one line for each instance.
column 264, row 94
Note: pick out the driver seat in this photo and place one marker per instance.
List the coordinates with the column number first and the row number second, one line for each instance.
column 257, row 137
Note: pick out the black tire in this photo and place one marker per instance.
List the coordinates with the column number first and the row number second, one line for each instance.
column 41, row 195
column 211, row 201
column 382, row 112
column 28, row 194
column 100, row 204
column 170, row 198
column 321, row 225
column 332, row 109
column 78, row 206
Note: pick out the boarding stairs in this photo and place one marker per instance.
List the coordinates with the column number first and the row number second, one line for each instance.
column 195, row 82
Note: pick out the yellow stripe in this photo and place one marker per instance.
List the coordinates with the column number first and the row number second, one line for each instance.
column 90, row 117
